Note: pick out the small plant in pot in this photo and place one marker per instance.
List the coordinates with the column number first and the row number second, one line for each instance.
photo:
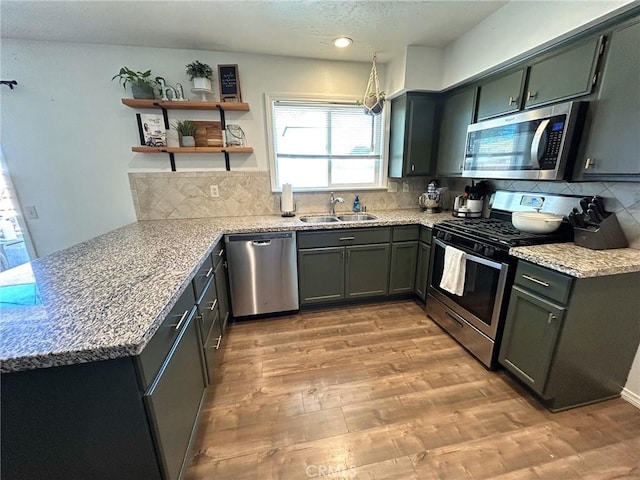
column 142, row 84
column 186, row 131
column 373, row 103
column 200, row 73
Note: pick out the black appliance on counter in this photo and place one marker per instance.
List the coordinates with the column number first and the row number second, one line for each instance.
column 476, row 317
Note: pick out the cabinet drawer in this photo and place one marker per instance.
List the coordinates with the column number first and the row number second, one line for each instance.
column 425, row 235
column 202, row 276
column 336, row 238
column 158, row 347
column 551, row 284
column 207, row 309
column 218, row 253
column 406, row 233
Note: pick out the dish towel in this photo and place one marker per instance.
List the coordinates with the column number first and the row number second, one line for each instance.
column 454, row 271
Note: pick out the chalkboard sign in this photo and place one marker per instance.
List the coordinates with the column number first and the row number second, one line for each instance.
column 229, row 83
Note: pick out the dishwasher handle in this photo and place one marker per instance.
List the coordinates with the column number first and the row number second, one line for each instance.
column 261, row 243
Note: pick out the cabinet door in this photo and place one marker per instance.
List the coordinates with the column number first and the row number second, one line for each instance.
column 566, row 75
column 457, row 114
column 612, row 146
column 174, row 400
column 501, row 95
column 211, row 349
column 413, row 137
column 367, row 271
column 222, row 293
column 422, row 270
column 403, row 267
column 321, row 274
column 530, row 334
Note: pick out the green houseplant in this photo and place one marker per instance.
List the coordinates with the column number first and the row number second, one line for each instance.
column 186, row 131
column 200, row 73
column 142, row 85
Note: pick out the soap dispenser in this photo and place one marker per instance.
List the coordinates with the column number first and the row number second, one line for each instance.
column 356, row 204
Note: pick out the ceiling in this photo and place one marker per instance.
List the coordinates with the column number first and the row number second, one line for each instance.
column 277, row 27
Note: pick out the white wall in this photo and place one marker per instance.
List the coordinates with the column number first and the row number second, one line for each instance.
column 418, row 68
column 67, row 137
column 516, row 28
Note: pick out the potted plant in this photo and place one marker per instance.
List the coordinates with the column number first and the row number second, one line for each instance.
column 200, row 74
column 142, row 85
column 373, row 103
column 186, row 132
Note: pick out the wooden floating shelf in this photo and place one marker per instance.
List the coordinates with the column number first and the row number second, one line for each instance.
column 143, row 149
column 186, row 105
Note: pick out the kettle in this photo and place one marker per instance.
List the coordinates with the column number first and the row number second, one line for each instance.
column 466, row 207
column 430, row 201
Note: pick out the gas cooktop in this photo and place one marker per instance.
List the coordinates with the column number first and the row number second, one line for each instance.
column 501, row 232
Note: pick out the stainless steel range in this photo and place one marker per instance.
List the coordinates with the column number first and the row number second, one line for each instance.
column 474, row 314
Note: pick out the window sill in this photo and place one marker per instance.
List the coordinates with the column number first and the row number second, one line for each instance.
column 336, row 189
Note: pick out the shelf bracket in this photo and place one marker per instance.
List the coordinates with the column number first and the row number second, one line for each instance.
column 172, row 160
column 227, row 165
column 223, row 123
column 165, row 115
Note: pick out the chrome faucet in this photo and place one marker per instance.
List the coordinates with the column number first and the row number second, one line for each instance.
column 332, row 203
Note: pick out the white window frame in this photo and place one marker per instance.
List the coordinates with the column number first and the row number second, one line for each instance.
column 270, row 98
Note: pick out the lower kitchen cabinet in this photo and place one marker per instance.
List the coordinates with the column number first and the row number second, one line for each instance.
column 345, row 264
column 422, row 263
column 174, row 400
column 222, row 292
column 571, row 340
column 404, row 253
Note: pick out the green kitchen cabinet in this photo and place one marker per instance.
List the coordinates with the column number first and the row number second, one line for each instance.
column 404, row 253
column 321, row 274
column 367, row 271
column 457, row 114
column 567, row 74
column 413, row 137
column 572, row 341
column 501, row 95
column 222, row 293
column 611, row 150
column 423, row 261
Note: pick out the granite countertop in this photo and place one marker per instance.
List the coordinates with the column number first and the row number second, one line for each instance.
column 106, row 297
column 580, row 262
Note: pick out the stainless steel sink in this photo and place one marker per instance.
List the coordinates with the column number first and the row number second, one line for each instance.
column 356, row 217
column 319, row 219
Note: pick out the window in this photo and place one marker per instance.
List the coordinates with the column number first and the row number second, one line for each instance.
column 324, row 145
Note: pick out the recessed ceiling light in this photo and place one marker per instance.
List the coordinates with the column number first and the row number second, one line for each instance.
column 342, row 42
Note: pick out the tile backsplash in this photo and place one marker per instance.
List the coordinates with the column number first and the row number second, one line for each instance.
column 175, row 195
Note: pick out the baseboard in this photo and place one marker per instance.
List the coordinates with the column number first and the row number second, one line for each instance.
column 632, row 398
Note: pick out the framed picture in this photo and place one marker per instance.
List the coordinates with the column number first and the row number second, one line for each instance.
column 229, row 83
column 151, row 129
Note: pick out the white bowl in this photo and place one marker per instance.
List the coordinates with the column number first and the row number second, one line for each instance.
column 536, row 222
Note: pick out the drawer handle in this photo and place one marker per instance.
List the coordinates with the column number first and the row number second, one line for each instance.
column 209, row 272
column 551, row 318
column 535, row 280
column 221, row 252
column 214, row 304
column 218, row 343
column 182, row 318
column 344, row 239
column 456, row 321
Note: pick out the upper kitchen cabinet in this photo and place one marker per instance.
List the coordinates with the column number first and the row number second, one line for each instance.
column 413, row 139
column 567, row 74
column 501, row 95
column 611, row 150
column 457, row 114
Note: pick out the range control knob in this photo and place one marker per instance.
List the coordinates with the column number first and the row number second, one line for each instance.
column 440, row 235
column 477, row 247
column 447, row 237
column 489, row 251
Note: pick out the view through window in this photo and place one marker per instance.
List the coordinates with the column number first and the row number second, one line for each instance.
column 321, row 145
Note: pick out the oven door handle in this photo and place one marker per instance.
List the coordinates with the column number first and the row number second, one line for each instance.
column 474, row 258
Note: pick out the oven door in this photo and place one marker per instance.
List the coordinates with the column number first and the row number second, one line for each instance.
column 484, row 288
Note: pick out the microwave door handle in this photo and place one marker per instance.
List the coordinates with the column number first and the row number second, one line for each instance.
column 536, row 154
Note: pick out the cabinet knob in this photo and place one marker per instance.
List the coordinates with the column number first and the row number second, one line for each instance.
column 413, row 168
column 551, row 318
column 531, row 95
column 590, row 162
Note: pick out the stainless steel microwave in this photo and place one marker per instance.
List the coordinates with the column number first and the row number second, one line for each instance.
column 538, row 144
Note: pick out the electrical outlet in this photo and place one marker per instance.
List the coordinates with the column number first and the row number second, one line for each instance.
column 405, row 186
column 213, row 190
column 392, row 187
column 30, row 212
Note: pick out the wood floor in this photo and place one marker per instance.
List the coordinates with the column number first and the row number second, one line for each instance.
column 381, row 392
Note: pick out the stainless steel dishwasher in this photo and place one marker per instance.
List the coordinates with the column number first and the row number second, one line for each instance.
column 263, row 273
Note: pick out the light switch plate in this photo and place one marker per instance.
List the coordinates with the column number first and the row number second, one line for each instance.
column 213, row 190
column 30, row 212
